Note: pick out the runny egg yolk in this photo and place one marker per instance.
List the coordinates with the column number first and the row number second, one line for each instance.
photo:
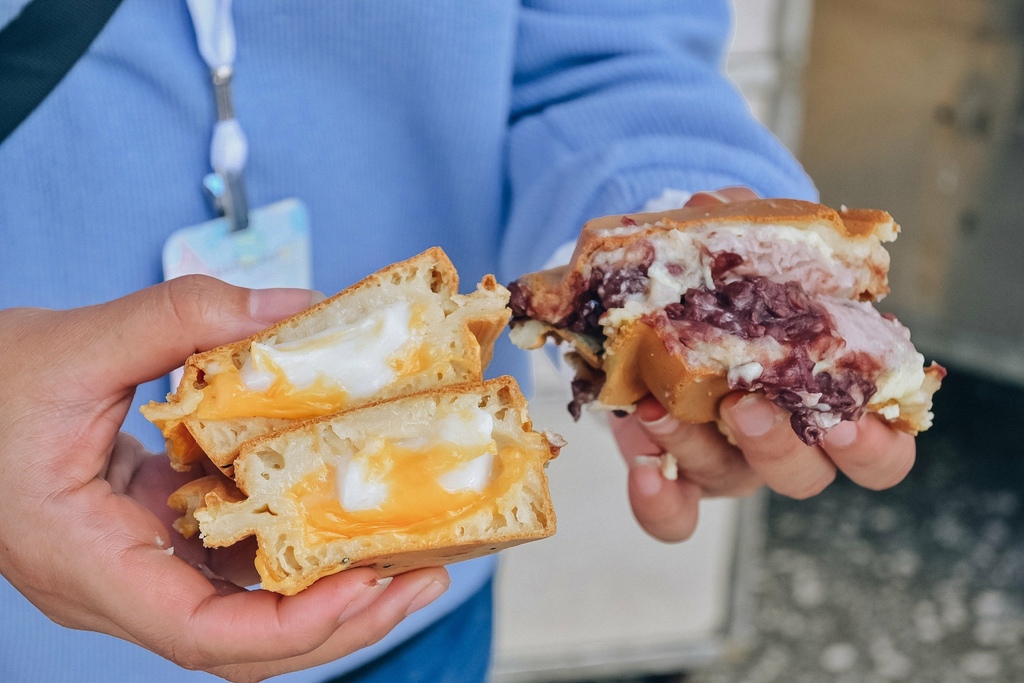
column 409, row 488
column 325, row 372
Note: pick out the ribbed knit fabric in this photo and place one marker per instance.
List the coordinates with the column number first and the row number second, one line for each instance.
column 10, row 9
column 493, row 129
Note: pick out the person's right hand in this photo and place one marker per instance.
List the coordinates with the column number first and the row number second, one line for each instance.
column 766, row 450
column 81, row 535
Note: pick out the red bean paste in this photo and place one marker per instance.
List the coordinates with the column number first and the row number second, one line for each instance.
column 750, row 308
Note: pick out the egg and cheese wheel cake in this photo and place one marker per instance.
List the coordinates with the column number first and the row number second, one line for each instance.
column 403, row 329
column 441, row 476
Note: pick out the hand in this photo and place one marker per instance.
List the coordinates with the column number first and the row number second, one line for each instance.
column 84, row 534
column 767, row 450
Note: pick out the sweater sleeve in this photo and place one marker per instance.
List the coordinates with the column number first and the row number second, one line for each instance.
column 615, row 100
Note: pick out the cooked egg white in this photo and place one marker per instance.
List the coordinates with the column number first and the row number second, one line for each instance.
column 320, row 373
column 354, row 357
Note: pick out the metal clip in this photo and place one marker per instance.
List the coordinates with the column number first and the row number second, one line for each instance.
column 226, row 189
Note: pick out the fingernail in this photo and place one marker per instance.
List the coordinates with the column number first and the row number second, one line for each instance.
column 432, row 591
column 701, row 199
column 271, row 305
column 842, row 435
column 316, row 297
column 719, row 196
column 648, row 479
column 663, row 426
column 753, row 416
column 363, row 600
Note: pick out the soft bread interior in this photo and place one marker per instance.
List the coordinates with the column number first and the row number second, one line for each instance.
column 459, row 331
column 280, row 491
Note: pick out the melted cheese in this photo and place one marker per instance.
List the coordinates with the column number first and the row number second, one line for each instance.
column 324, row 372
column 410, row 485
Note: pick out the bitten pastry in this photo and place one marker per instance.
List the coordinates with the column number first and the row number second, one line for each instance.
column 440, row 476
column 768, row 295
column 403, row 329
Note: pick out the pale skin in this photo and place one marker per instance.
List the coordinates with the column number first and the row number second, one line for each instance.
column 767, row 451
column 85, row 530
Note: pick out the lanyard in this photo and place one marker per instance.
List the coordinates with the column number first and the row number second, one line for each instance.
column 215, row 36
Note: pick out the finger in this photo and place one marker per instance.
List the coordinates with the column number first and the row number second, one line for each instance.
column 152, row 483
column 261, row 626
column 176, row 611
column 179, row 608
column 726, row 195
column 235, row 563
column 405, row 594
column 870, row 453
column 632, row 439
column 768, row 442
column 702, row 453
column 179, row 613
column 667, row 510
column 148, row 333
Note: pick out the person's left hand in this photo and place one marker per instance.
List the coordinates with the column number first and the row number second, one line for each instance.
column 767, row 451
column 85, row 533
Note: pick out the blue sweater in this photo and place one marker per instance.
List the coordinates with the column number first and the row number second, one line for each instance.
column 493, row 129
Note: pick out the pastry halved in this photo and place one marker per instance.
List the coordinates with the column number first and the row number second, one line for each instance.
column 403, row 329
column 441, row 476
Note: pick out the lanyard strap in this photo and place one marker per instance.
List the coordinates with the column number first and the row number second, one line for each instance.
column 215, row 37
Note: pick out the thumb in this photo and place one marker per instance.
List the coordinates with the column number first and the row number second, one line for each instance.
column 147, row 334
column 726, row 195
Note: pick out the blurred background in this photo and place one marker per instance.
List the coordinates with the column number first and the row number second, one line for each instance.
column 916, row 107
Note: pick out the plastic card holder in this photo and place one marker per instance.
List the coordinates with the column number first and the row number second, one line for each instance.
column 274, row 251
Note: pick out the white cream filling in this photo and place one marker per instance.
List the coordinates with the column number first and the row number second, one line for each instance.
column 352, row 357
column 780, row 253
column 887, row 340
column 528, row 334
column 747, row 373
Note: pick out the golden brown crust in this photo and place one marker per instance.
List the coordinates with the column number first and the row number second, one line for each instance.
column 853, row 223
column 639, row 363
column 917, row 418
column 198, row 493
column 486, row 331
column 864, row 222
column 603, row 234
column 182, row 449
